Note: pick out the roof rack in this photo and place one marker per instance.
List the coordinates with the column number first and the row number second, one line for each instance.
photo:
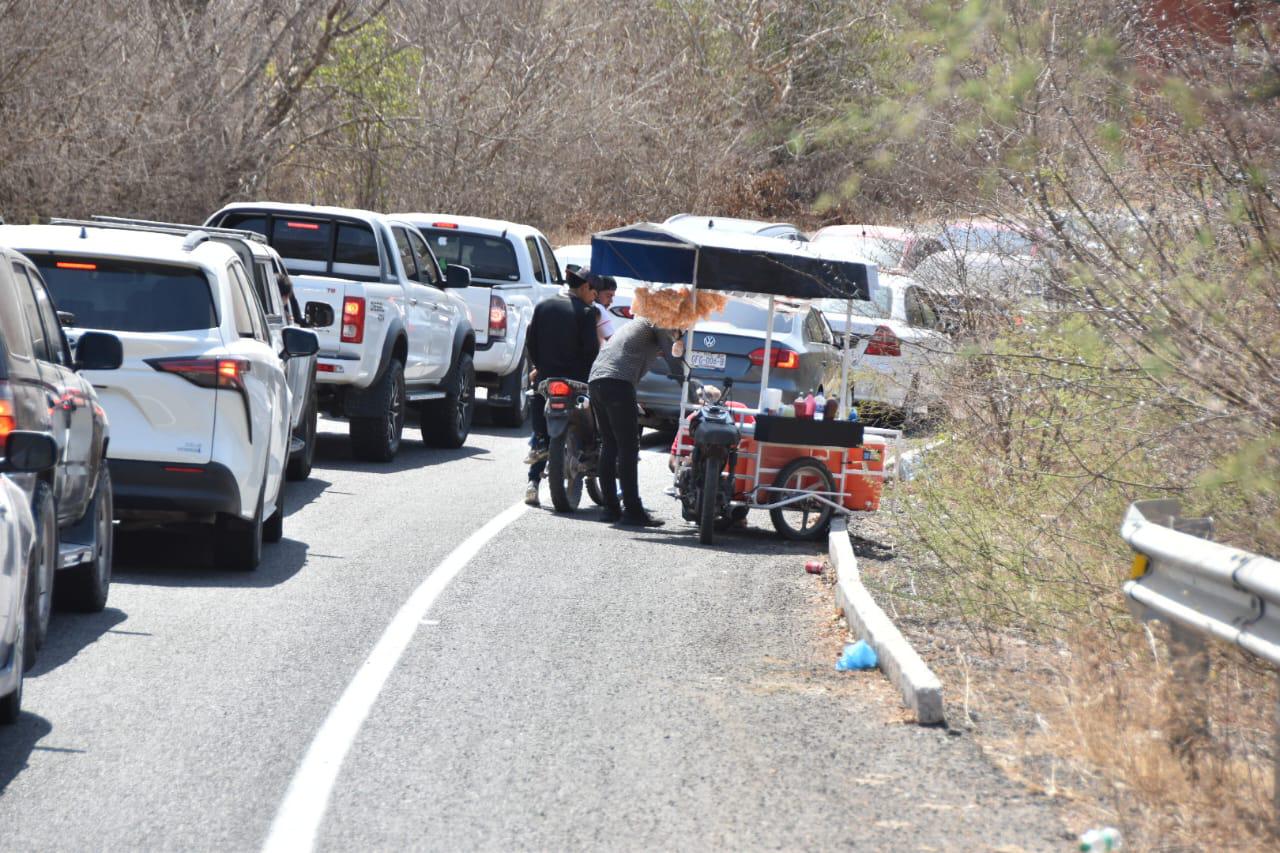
column 149, row 226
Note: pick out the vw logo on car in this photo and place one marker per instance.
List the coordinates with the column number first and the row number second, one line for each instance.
column 709, row 341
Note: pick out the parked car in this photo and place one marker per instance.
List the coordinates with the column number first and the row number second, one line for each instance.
column 730, row 344
column 271, row 285
column 783, row 230
column 901, row 346
column 985, row 259
column 889, row 247
column 42, row 390
column 398, row 333
column 517, row 269
column 200, row 406
column 20, row 561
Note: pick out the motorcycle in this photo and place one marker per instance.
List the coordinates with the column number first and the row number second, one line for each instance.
column 705, row 485
column 573, row 452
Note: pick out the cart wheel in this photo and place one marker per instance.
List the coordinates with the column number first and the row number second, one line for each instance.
column 804, row 520
column 709, row 500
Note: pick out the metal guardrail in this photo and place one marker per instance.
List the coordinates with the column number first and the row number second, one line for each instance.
column 1182, row 577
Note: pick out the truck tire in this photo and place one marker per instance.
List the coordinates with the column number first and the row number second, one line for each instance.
column 447, row 422
column 85, row 587
column 514, row 414
column 299, row 467
column 377, row 439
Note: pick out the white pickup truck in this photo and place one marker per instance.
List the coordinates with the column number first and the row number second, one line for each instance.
column 517, row 269
column 394, row 331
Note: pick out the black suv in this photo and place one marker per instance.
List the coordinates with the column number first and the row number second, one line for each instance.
column 41, row 391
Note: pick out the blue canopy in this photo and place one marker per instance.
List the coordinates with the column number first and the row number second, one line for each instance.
column 739, row 263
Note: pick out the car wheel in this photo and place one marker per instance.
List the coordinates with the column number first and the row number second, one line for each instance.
column 377, row 439
column 514, row 415
column 85, row 588
column 40, row 593
column 447, row 422
column 273, row 527
column 11, row 702
column 238, row 543
column 299, row 467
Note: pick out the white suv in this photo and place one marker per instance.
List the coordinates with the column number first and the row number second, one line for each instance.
column 200, row 408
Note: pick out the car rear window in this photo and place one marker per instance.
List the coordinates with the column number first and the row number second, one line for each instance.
column 301, row 239
column 129, row 296
column 491, row 258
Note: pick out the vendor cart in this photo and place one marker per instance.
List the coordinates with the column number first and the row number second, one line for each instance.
column 729, row 461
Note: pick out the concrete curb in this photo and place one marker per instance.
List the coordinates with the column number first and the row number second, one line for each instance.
column 920, row 688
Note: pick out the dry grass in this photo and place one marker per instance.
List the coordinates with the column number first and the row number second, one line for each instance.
column 1105, row 724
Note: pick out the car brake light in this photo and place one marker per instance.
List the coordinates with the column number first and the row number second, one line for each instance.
column 225, row 374
column 453, row 225
column 353, row 320
column 7, row 421
column 497, row 316
column 780, row 357
column 303, row 226
column 623, row 311
column 559, row 389
column 884, row 342
column 75, row 265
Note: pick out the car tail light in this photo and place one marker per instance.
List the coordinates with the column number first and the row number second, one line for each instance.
column 75, row 265
column 452, row 225
column 353, row 320
column 780, row 357
column 8, row 423
column 218, row 373
column 303, row 226
column 623, row 311
column 497, row 316
column 884, row 342
column 559, row 389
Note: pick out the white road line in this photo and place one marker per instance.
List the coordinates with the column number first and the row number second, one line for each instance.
column 298, row 819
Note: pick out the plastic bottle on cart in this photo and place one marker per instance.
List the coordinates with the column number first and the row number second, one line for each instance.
column 820, row 407
column 853, row 414
column 832, row 410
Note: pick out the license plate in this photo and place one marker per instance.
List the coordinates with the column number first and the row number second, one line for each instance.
column 707, row 360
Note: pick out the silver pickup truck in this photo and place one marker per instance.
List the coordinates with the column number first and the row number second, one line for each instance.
column 398, row 332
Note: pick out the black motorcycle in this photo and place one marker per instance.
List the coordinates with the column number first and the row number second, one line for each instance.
column 705, row 485
column 573, row 454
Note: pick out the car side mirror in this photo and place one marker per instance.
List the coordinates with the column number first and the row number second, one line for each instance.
column 300, row 343
column 317, row 315
column 456, row 276
column 29, row 452
column 98, row 351
column 66, row 318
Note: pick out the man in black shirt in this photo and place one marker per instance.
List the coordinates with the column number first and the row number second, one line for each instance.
column 562, row 342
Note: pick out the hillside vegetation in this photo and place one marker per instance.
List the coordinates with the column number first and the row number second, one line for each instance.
column 1139, row 145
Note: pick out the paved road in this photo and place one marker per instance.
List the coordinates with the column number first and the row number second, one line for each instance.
column 576, row 685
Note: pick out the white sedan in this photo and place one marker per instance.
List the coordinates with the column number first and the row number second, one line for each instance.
column 900, row 349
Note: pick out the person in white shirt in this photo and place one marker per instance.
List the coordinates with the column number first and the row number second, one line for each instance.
column 606, row 287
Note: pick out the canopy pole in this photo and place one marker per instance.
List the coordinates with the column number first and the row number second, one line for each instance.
column 688, row 350
column 768, row 353
column 845, row 358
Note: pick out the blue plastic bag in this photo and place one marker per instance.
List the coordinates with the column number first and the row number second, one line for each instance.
column 857, row 656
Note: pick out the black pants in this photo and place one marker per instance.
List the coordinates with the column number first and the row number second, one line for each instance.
column 614, row 402
column 538, row 414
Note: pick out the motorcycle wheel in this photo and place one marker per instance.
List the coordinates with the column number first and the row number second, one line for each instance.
column 594, row 492
column 562, row 477
column 709, row 500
